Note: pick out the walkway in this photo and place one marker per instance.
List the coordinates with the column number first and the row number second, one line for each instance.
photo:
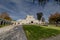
column 13, row 33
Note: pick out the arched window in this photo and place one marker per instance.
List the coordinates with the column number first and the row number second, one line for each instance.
column 31, row 21
column 18, row 23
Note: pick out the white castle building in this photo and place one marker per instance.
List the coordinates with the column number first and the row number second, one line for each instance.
column 29, row 20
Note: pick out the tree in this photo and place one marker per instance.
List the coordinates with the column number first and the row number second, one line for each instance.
column 41, row 2
column 39, row 15
column 58, row 1
column 5, row 15
column 54, row 18
column 43, row 19
column 33, row 1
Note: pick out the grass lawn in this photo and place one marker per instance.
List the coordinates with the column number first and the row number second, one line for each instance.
column 3, row 25
column 34, row 32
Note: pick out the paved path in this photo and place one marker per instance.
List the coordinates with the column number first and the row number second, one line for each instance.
column 52, row 38
column 6, row 28
column 15, row 33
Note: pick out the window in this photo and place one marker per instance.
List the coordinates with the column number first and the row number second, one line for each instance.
column 31, row 21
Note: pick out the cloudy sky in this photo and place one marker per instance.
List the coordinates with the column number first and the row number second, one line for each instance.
column 18, row 9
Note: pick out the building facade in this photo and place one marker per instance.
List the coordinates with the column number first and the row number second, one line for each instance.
column 28, row 20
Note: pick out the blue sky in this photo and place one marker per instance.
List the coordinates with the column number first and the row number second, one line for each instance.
column 18, row 9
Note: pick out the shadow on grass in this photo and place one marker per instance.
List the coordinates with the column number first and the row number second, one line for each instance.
column 34, row 32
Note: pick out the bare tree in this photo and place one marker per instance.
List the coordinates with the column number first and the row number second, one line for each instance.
column 5, row 15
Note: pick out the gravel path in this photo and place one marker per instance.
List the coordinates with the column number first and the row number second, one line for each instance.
column 52, row 38
column 16, row 33
column 6, row 28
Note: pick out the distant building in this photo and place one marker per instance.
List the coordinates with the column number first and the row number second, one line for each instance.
column 28, row 20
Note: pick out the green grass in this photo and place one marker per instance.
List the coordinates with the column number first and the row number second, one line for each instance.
column 3, row 25
column 34, row 32
column 52, row 27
